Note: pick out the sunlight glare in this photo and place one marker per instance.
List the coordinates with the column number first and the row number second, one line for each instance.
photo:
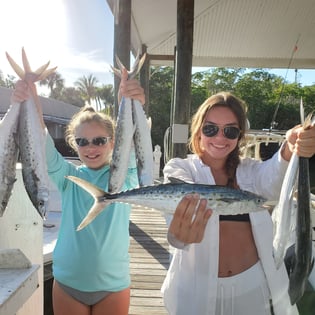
column 38, row 26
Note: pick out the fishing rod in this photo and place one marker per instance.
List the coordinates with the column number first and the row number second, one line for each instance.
column 273, row 121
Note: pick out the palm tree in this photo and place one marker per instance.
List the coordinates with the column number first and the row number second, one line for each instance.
column 87, row 87
column 105, row 98
column 54, row 82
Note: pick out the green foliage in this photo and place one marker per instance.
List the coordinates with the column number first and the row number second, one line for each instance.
column 87, row 87
column 161, row 86
column 268, row 97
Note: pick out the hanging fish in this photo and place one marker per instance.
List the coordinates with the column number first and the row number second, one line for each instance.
column 302, row 259
column 140, row 133
column 8, row 154
column 31, row 134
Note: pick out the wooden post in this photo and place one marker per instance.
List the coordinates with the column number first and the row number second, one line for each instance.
column 184, row 50
column 121, row 40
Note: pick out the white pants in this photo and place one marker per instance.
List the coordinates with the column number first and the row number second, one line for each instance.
column 244, row 293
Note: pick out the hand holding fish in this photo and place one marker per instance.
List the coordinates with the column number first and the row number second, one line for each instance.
column 305, row 143
column 300, row 140
column 20, row 93
column 190, row 219
column 130, row 88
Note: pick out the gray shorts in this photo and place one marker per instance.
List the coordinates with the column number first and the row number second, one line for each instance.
column 87, row 298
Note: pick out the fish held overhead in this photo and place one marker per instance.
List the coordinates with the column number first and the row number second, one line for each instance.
column 8, row 154
column 31, row 135
column 132, row 133
column 165, row 197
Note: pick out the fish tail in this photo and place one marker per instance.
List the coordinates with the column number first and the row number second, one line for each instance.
column 96, row 209
column 96, row 193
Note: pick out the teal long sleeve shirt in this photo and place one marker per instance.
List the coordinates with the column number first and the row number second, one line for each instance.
column 95, row 258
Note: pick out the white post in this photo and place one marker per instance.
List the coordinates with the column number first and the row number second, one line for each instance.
column 157, row 159
column 22, row 227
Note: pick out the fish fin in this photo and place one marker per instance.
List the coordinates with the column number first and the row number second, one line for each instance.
column 18, row 70
column 97, row 207
column 309, row 121
column 116, row 71
column 26, row 63
column 42, row 68
column 92, row 214
column 135, row 69
column 46, row 73
column 90, row 188
column 175, row 180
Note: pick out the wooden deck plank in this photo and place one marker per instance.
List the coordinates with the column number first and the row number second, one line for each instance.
column 149, row 261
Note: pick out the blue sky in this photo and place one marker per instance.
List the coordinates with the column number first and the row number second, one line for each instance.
column 75, row 35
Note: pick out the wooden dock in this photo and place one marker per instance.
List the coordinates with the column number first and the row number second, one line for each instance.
column 149, row 253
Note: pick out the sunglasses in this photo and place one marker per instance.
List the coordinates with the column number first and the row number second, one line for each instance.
column 230, row 132
column 98, row 141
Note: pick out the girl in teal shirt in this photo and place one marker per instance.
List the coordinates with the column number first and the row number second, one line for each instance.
column 90, row 266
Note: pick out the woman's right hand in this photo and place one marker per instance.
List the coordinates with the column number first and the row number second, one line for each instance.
column 190, row 219
column 20, row 93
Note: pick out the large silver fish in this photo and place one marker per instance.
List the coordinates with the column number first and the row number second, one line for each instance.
column 122, row 147
column 141, row 136
column 283, row 211
column 32, row 137
column 165, row 197
column 143, row 145
column 302, row 259
column 8, row 154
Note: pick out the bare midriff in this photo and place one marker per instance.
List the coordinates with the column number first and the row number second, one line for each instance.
column 237, row 250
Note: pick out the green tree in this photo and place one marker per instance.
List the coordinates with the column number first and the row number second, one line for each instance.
column 287, row 109
column 309, row 98
column 1, row 78
column 55, row 84
column 8, row 82
column 105, row 97
column 87, row 85
column 71, row 96
column 257, row 88
column 161, row 87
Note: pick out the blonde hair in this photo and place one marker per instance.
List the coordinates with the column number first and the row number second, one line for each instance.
column 239, row 108
column 87, row 114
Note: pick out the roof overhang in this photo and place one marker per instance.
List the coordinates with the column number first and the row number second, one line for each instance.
column 242, row 33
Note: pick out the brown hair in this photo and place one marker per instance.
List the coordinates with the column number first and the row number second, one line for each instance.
column 238, row 107
column 85, row 115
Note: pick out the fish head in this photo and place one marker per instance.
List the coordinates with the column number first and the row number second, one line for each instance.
column 42, row 201
column 260, row 201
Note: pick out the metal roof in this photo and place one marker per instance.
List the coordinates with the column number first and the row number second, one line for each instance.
column 231, row 33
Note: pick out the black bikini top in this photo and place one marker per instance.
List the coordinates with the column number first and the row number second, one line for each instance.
column 237, row 217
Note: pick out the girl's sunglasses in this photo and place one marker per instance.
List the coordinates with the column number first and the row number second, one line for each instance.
column 98, row 141
column 230, row 132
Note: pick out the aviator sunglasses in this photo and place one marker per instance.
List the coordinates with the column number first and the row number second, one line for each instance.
column 230, row 132
column 98, row 141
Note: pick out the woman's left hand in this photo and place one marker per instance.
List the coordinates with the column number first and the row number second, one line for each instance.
column 302, row 141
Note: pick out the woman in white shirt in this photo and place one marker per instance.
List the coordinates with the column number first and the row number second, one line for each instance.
column 224, row 264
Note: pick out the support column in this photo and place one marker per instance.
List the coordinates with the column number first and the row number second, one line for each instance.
column 182, row 101
column 121, row 40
